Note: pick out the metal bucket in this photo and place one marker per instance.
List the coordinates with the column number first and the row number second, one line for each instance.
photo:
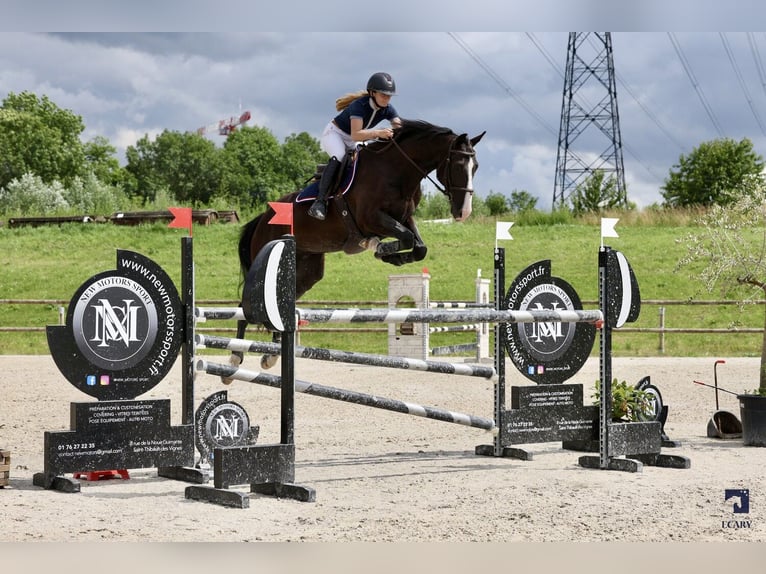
column 724, row 424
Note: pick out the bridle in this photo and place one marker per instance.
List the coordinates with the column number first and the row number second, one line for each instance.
column 446, row 162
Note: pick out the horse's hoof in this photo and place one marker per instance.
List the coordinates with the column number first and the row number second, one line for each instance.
column 268, row 361
column 235, row 360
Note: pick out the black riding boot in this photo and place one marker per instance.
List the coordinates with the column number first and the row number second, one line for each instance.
column 318, row 209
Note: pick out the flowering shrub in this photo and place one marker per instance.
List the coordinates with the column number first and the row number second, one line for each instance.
column 729, row 251
column 30, row 195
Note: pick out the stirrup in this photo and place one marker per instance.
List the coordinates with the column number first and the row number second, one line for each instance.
column 318, row 210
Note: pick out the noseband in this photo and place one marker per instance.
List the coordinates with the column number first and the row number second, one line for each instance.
column 445, row 162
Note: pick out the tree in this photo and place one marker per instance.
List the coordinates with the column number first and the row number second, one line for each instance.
column 594, row 195
column 38, row 137
column 433, row 206
column 143, row 178
column 496, row 203
column 715, row 173
column 300, row 156
column 253, row 162
column 521, row 201
column 728, row 251
column 101, row 160
column 187, row 165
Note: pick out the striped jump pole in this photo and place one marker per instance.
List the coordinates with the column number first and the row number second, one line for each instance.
column 453, row 349
column 454, row 328
column 318, row 353
column 374, row 401
column 438, row 316
column 460, row 305
column 419, row 315
column 202, row 314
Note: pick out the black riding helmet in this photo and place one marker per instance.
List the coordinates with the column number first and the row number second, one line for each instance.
column 381, row 82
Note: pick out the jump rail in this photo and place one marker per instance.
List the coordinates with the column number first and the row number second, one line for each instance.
column 247, row 346
column 416, row 315
column 455, row 328
column 374, row 401
column 460, row 305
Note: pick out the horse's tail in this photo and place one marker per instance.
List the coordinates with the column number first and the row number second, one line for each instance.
column 245, row 239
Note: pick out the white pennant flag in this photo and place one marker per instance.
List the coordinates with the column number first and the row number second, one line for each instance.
column 503, row 230
column 607, row 227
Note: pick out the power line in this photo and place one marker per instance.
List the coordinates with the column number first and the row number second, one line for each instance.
column 757, row 58
column 649, row 113
column 695, row 83
column 500, row 82
column 742, row 84
column 628, row 148
column 546, row 55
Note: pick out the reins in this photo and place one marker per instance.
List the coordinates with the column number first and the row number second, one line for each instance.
column 420, row 169
column 423, row 172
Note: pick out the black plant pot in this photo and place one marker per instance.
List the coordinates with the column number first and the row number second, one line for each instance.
column 752, row 410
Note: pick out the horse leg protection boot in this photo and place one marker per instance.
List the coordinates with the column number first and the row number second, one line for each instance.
column 318, row 209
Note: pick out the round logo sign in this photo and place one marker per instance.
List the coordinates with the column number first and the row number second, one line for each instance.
column 221, row 423
column 123, row 331
column 546, row 351
column 115, row 322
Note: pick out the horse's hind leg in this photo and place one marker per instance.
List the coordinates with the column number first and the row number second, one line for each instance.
column 268, row 361
column 236, row 357
column 308, row 272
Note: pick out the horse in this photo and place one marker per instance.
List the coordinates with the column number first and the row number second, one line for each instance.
column 378, row 204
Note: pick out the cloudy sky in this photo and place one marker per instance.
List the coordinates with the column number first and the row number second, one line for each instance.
column 675, row 90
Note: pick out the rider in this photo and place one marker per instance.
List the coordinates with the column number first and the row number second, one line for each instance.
column 359, row 112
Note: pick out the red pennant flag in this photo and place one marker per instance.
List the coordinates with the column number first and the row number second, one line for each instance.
column 283, row 214
column 182, row 217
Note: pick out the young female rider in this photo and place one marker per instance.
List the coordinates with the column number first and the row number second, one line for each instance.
column 359, row 113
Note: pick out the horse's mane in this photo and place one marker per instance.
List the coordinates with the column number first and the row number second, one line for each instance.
column 410, row 130
column 419, row 128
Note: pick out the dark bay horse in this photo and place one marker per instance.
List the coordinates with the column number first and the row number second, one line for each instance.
column 378, row 205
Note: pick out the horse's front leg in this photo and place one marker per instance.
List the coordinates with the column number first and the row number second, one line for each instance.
column 417, row 250
column 403, row 237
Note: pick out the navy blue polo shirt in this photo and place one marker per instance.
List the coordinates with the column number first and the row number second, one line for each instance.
column 362, row 108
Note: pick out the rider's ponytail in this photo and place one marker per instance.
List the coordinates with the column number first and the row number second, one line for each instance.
column 344, row 101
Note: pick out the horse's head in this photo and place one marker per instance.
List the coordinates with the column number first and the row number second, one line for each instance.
column 456, row 174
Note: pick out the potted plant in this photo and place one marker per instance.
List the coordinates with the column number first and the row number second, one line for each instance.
column 729, row 253
column 629, row 403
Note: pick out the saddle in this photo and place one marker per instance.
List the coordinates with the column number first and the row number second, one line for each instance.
column 340, row 175
column 355, row 241
column 343, row 179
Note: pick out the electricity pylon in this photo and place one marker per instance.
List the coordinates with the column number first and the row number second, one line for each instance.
column 589, row 74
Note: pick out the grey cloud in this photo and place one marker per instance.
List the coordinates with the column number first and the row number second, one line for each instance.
column 138, row 83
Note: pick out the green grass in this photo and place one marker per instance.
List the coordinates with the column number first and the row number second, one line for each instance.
column 52, row 262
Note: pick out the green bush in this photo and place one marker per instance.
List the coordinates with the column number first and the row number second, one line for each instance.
column 628, row 402
column 29, row 195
